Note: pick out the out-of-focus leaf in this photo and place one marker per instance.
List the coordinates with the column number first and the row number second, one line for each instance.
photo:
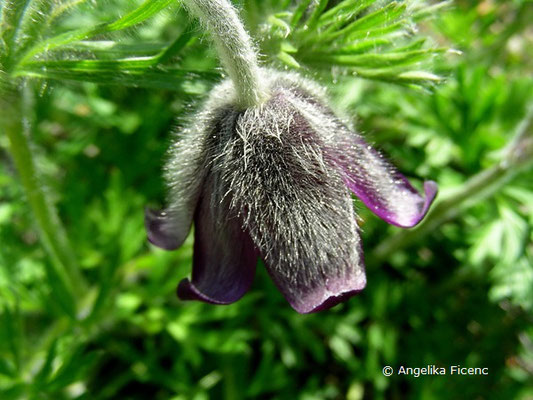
column 396, row 76
column 267, row 371
column 343, row 12
column 362, row 46
column 110, row 48
column 10, row 22
column 14, row 391
column 11, row 333
column 177, row 45
column 515, row 237
column 375, row 60
column 88, row 66
column 489, row 242
column 299, row 12
column 44, row 373
column 140, row 14
column 359, row 37
column 317, row 11
column 121, row 71
column 514, row 282
column 115, row 73
column 61, row 8
column 74, row 366
column 6, row 368
column 380, row 17
column 432, row 10
column 31, row 24
column 59, row 291
column 341, row 348
column 287, row 59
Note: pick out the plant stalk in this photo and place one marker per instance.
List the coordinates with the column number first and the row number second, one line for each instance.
column 52, row 233
column 234, row 48
column 515, row 157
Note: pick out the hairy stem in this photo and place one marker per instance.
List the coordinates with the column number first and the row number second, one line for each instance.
column 51, row 230
column 234, row 47
column 515, row 157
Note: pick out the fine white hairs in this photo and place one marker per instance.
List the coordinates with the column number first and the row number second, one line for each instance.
column 234, row 47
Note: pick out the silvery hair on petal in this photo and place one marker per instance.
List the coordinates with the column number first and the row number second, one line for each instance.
column 266, row 169
column 268, row 165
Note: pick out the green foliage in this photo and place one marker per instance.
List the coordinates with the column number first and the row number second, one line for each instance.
column 364, row 38
column 99, row 86
column 70, row 55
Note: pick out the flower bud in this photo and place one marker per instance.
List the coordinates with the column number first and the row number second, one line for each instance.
column 274, row 181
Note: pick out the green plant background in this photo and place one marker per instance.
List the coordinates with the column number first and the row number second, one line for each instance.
column 90, row 93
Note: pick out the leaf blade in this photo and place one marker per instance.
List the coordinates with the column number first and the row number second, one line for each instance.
column 140, row 14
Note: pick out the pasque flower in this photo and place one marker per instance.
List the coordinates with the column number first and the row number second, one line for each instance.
column 272, row 178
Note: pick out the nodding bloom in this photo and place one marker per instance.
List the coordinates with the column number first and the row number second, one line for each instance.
column 274, row 181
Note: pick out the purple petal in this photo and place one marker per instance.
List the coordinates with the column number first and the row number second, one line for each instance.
column 319, row 263
column 385, row 191
column 295, row 205
column 311, row 287
column 224, row 257
column 184, row 170
column 164, row 230
column 315, row 257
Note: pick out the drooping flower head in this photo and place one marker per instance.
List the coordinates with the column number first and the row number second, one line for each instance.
column 274, row 181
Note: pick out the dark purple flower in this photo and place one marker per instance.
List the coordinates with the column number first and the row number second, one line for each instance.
column 274, row 182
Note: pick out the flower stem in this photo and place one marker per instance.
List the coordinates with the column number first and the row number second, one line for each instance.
column 515, row 157
column 52, row 233
column 234, row 47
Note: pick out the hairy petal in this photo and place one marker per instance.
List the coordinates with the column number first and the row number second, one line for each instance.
column 275, row 181
column 315, row 276
column 295, row 206
column 185, row 173
column 224, row 255
column 385, row 191
column 164, row 230
column 366, row 173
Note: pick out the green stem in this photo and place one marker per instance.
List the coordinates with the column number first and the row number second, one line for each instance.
column 52, row 233
column 230, row 367
column 234, row 48
column 515, row 157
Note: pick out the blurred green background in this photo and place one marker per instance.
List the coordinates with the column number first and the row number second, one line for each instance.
column 445, row 90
